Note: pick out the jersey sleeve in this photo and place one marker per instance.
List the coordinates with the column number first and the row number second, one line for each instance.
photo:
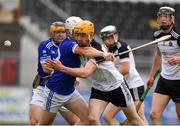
column 175, row 33
column 73, row 47
column 70, row 46
column 178, row 37
column 124, row 47
column 178, row 41
column 98, row 47
column 43, row 53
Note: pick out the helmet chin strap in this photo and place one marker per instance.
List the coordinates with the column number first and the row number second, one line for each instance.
column 166, row 27
column 90, row 39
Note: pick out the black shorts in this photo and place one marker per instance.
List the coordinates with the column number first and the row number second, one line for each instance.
column 169, row 87
column 137, row 92
column 117, row 97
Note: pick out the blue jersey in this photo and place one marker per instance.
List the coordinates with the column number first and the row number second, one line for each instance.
column 46, row 50
column 59, row 82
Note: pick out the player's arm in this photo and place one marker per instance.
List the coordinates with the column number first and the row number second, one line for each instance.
column 173, row 60
column 43, row 54
column 156, row 62
column 124, row 59
column 155, row 66
column 124, row 68
column 83, row 72
column 92, row 52
column 177, row 59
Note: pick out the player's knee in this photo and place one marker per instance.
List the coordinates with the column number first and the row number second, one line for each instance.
column 33, row 121
column 73, row 121
column 141, row 114
column 134, row 120
column 154, row 115
column 106, row 117
column 93, row 119
column 83, row 120
column 178, row 115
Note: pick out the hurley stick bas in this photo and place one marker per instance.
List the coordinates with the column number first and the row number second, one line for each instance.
column 145, row 93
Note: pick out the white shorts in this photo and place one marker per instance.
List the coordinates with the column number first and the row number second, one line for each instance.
column 37, row 98
column 53, row 101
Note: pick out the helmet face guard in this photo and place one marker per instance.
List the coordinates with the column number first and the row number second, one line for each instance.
column 106, row 34
column 54, row 28
column 108, row 31
column 57, row 27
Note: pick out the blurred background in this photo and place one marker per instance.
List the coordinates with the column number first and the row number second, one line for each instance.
column 25, row 23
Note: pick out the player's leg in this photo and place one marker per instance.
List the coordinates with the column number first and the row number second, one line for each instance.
column 79, row 107
column 36, row 104
column 141, row 112
column 35, row 113
column 110, row 113
column 96, row 108
column 70, row 117
column 47, row 118
column 136, row 94
column 178, row 110
column 125, row 102
column 174, row 87
column 50, row 107
column 132, row 115
column 97, row 104
column 159, row 102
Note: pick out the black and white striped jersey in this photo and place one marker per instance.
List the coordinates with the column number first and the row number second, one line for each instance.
column 106, row 77
column 133, row 79
column 168, row 48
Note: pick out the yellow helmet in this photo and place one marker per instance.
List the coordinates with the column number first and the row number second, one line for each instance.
column 84, row 26
column 57, row 26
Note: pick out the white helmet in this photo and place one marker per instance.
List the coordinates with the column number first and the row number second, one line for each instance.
column 108, row 30
column 166, row 10
column 71, row 22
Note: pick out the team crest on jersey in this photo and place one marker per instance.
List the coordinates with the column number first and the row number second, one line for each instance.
column 74, row 42
column 53, row 52
column 166, row 43
column 170, row 43
column 44, row 51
